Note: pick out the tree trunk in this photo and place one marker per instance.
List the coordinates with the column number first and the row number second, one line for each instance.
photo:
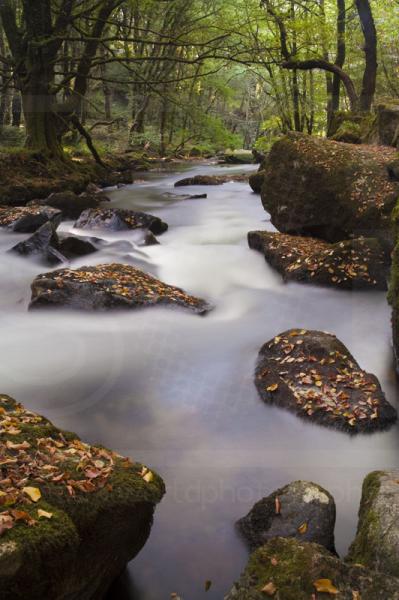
column 41, row 123
column 370, row 51
column 341, row 54
column 16, row 109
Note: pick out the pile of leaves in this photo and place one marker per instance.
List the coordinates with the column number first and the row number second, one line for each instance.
column 31, row 464
column 360, row 263
column 112, row 285
column 313, row 374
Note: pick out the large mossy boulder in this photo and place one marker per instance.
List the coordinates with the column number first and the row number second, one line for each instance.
column 312, row 374
column 119, row 219
column 212, row 179
column 71, row 515
column 301, row 510
column 256, row 181
column 353, row 264
column 108, row 286
column 377, row 541
column 328, row 189
column 286, row 569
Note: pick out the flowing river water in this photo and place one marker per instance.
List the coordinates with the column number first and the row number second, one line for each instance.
column 176, row 391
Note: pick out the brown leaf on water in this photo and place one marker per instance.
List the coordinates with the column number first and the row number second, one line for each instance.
column 208, row 585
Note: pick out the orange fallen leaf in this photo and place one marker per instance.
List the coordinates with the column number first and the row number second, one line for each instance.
column 326, row 586
column 272, row 388
column 33, row 493
column 302, row 529
column 277, row 504
column 269, row 589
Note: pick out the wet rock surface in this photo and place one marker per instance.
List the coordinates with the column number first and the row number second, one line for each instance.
column 212, row 179
column 106, row 287
column 328, row 189
column 71, row 515
column 352, row 264
column 52, row 249
column 256, row 181
column 287, row 569
column 27, row 219
column 119, row 219
column 72, row 205
column 312, row 374
column 301, row 510
column 377, row 540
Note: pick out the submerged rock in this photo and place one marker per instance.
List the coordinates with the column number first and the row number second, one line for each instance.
column 72, row 205
column 108, row 286
column 352, row 264
column 377, row 541
column 71, row 515
column 287, row 569
column 28, row 219
column 119, row 219
column 212, row 179
column 329, row 189
column 50, row 248
column 312, row 374
column 301, row 509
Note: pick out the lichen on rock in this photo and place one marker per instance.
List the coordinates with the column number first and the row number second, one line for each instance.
column 71, row 514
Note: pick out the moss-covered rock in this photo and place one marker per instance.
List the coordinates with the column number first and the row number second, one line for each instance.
column 377, row 540
column 108, row 286
column 348, row 132
column 286, row 569
column 28, row 219
column 384, row 129
column 353, row 264
column 313, row 374
column 301, row 510
column 212, row 179
column 329, row 189
column 71, row 515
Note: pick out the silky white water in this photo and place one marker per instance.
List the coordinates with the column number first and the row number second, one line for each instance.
column 176, row 391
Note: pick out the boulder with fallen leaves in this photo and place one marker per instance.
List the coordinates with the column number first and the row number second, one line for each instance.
column 328, row 189
column 352, row 264
column 108, row 286
column 301, row 510
column 377, row 540
column 72, row 205
column 256, row 181
column 71, row 514
column 212, row 179
column 287, row 569
column 312, row 374
column 119, row 219
column 28, row 219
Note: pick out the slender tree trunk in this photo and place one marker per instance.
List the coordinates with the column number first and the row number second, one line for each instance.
column 16, row 109
column 370, row 51
column 341, row 54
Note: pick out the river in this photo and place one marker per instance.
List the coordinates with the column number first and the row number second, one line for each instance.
column 176, row 391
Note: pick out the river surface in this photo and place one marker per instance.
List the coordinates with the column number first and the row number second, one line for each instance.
column 175, row 390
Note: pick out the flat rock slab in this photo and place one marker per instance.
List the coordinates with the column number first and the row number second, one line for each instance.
column 301, row 510
column 71, row 514
column 212, row 179
column 352, row 264
column 377, row 541
column 106, row 287
column 119, row 219
column 286, row 569
column 27, row 219
column 312, row 374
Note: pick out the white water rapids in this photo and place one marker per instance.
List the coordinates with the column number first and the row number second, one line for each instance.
column 175, row 390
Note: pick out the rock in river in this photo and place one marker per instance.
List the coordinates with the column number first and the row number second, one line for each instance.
column 71, row 515
column 329, row 189
column 212, row 179
column 377, row 541
column 312, row 374
column 108, row 286
column 72, row 205
column 27, row 219
column 256, row 181
column 352, row 264
column 118, row 219
column 50, row 248
column 301, row 509
column 286, row 569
